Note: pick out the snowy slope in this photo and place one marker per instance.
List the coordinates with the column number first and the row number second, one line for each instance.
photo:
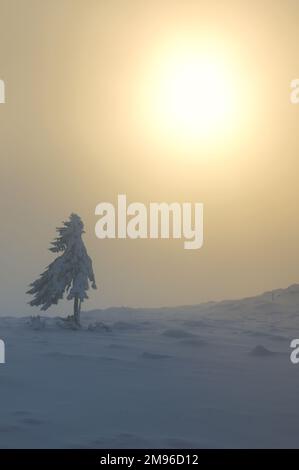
column 213, row 375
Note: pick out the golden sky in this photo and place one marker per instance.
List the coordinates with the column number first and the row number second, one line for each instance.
column 93, row 109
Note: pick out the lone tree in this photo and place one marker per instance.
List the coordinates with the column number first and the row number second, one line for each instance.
column 71, row 272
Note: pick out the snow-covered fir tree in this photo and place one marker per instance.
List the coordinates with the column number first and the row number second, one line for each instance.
column 71, row 272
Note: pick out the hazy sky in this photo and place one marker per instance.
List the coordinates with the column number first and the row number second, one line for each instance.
column 84, row 121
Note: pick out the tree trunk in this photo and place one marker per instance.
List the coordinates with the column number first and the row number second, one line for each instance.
column 76, row 311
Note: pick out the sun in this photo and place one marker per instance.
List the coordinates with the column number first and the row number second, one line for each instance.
column 196, row 96
column 192, row 96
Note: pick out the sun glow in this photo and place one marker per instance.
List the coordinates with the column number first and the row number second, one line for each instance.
column 192, row 97
column 197, row 96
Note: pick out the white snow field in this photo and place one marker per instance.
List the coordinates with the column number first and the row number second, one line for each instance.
column 206, row 376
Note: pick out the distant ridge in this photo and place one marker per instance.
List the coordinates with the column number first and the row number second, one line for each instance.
column 281, row 296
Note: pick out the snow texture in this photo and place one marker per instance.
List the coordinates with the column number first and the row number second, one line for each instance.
column 213, row 375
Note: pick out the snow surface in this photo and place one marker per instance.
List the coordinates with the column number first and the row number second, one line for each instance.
column 213, row 375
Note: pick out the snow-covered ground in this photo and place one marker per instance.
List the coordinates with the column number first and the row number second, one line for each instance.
column 213, row 375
